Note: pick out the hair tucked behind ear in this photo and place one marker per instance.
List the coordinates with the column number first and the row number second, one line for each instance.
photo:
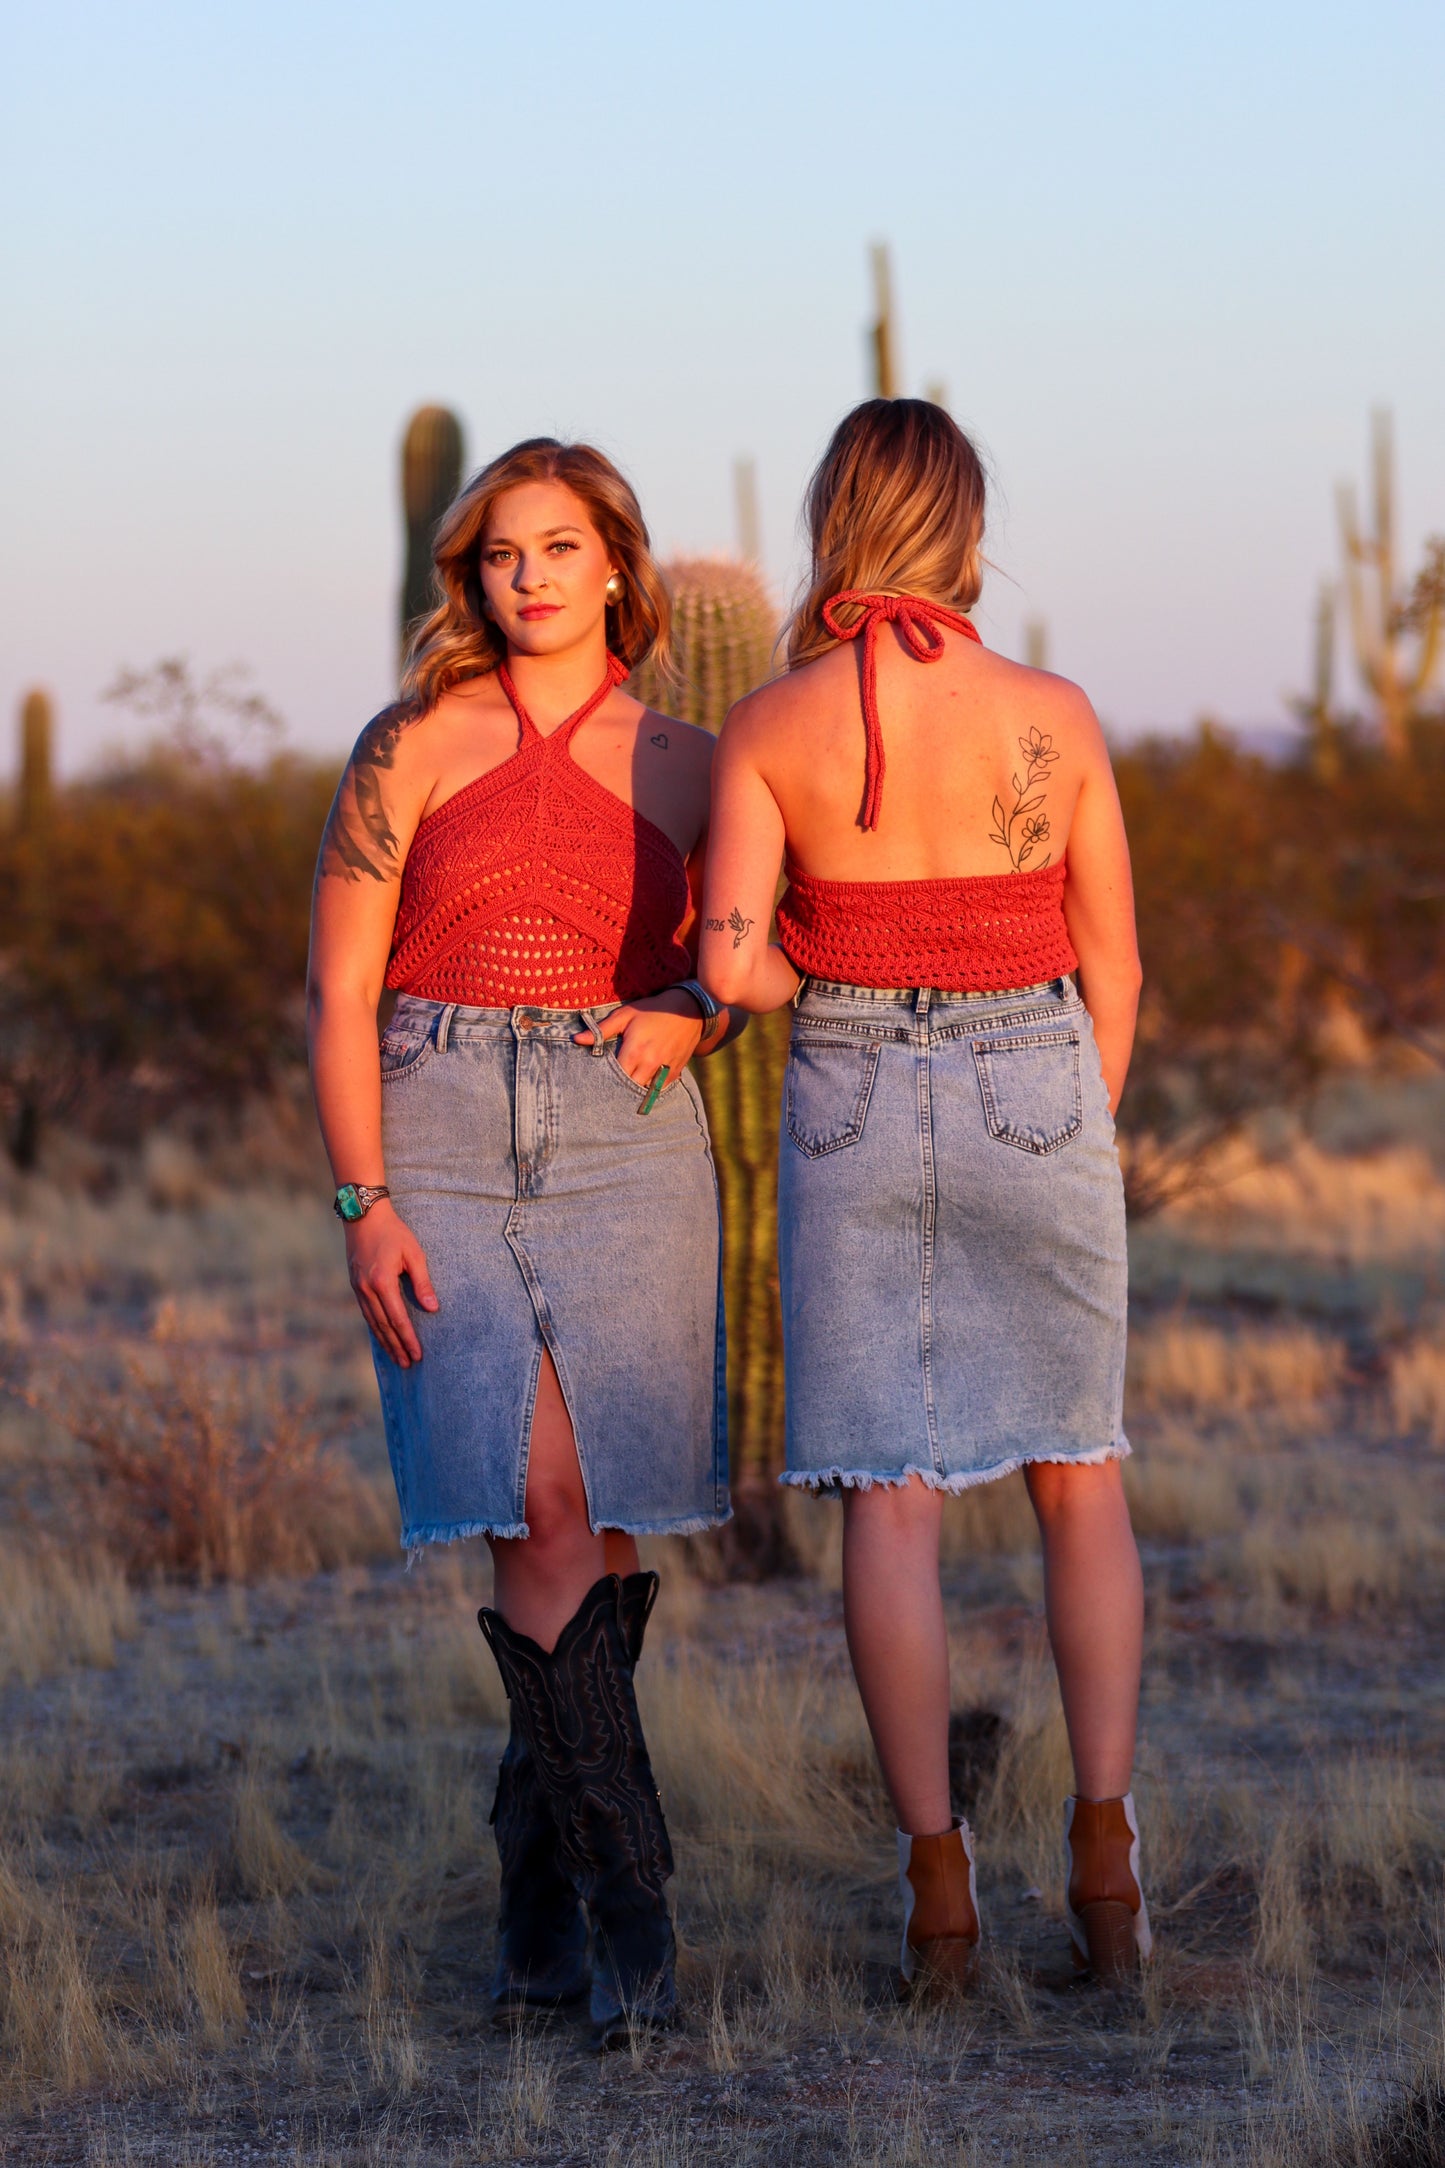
column 459, row 640
column 895, row 506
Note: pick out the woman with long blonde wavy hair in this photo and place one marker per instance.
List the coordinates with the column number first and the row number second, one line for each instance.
column 515, row 852
column 958, row 938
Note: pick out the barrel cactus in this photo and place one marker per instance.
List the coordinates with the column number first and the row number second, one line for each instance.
column 431, row 475
column 724, row 627
column 37, row 748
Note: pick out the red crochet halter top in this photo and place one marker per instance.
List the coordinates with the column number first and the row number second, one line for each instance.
column 536, row 884
column 977, row 933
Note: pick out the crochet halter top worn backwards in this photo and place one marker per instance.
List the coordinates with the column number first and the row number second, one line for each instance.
column 536, row 884
column 972, row 934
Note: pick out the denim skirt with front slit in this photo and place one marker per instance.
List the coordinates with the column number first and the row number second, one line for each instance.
column 553, row 1215
column 951, row 1237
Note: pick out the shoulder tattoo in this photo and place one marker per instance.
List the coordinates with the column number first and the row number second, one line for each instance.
column 359, row 842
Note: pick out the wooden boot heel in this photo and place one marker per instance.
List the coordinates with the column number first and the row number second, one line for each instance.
column 1108, row 1918
column 1109, row 1937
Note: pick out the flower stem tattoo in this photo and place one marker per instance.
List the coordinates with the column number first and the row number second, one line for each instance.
column 1033, row 826
column 741, row 926
column 359, row 841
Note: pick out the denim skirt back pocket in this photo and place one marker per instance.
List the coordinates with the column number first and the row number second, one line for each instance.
column 828, row 1085
column 1032, row 1098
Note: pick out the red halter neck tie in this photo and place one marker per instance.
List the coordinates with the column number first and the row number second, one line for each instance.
column 617, row 670
column 922, row 625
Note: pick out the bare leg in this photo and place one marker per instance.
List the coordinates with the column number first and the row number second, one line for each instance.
column 1094, row 1602
column 619, row 1553
column 540, row 1579
column 893, row 1611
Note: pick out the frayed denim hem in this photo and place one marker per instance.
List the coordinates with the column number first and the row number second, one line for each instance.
column 692, row 1524
column 841, row 1479
column 415, row 1540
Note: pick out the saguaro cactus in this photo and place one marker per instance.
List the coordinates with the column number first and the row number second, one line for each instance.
column 1381, row 618
column 745, row 497
column 725, row 625
column 431, row 474
column 37, row 746
column 885, row 360
column 1318, row 711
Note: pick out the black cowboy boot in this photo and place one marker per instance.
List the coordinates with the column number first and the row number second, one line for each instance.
column 542, row 1932
column 577, row 1711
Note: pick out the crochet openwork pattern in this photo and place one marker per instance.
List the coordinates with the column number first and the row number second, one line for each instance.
column 536, row 884
column 981, row 933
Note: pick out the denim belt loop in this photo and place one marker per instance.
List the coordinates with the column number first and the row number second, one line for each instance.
column 444, row 1026
column 594, row 1024
column 802, row 987
column 921, row 999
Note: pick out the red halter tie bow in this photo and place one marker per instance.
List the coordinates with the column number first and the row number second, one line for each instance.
column 922, row 625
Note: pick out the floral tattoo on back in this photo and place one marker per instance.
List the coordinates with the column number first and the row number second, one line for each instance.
column 1023, row 827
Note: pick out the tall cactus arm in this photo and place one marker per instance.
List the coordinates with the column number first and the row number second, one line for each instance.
column 1358, row 553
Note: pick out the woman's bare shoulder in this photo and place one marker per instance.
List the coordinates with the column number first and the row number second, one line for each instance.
column 382, row 788
column 794, row 695
column 692, row 745
column 1043, row 700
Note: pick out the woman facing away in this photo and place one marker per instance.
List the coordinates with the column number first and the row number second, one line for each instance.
column 515, row 849
column 958, row 939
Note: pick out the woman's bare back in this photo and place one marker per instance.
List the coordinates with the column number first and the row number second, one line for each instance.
column 985, row 761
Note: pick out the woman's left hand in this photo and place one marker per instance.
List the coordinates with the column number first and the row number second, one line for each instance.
column 662, row 1029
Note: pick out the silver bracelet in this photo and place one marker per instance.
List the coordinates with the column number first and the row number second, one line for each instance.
column 711, row 1010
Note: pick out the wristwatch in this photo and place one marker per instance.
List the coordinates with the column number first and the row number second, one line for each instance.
column 711, row 1009
column 354, row 1200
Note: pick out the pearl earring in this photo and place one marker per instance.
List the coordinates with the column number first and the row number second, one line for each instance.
column 614, row 589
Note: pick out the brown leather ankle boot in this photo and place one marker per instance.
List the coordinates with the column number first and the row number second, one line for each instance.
column 1107, row 1915
column 940, row 1910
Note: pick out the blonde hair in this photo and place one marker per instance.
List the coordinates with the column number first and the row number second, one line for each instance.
column 458, row 640
column 895, row 507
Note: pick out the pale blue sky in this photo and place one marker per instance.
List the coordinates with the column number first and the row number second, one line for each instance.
column 1164, row 261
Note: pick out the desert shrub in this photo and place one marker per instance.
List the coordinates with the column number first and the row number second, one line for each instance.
column 155, row 922
column 187, row 1479
column 1271, row 899
column 155, row 942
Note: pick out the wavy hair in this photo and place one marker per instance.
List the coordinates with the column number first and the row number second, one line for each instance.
column 895, row 507
column 458, row 640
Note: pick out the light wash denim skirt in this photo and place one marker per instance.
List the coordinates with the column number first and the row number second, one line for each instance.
column 951, row 1237
column 553, row 1215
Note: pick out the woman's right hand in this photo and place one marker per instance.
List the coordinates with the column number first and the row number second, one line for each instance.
column 379, row 1249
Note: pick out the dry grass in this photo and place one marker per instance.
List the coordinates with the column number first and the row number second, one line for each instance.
column 1204, row 1371
column 189, row 1479
column 1417, row 1390
column 60, row 1607
column 246, row 1882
